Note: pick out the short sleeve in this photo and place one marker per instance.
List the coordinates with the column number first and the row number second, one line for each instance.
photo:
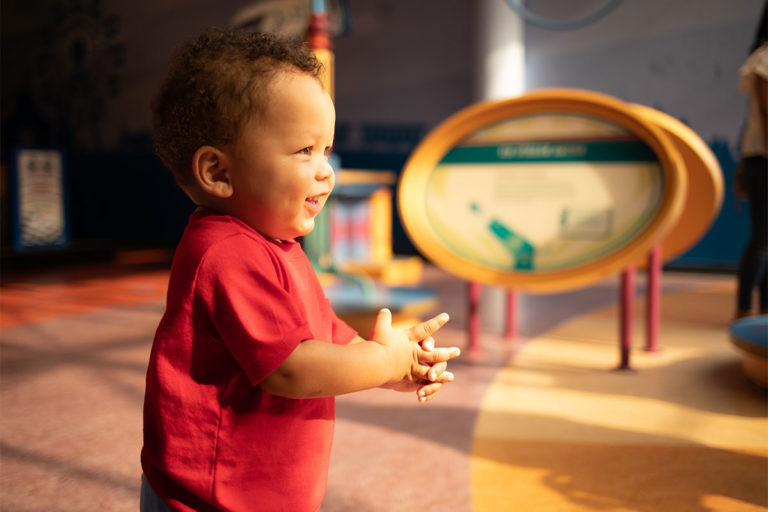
column 342, row 332
column 240, row 288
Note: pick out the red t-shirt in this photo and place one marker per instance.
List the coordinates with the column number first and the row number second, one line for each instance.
column 238, row 304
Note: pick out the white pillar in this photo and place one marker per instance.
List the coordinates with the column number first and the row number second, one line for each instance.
column 499, row 74
column 500, row 57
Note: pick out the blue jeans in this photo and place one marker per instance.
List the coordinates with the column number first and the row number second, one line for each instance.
column 149, row 502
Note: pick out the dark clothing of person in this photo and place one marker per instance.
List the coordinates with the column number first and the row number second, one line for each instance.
column 753, row 265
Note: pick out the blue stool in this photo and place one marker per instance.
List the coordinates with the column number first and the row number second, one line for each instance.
column 359, row 306
column 750, row 336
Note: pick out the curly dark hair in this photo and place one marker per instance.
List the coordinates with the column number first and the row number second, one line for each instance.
column 215, row 84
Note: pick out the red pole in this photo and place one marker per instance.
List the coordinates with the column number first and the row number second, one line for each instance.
column 625, row 316
column 653, row 297
column 511, row 328
column 475, row 290
column 319, row 38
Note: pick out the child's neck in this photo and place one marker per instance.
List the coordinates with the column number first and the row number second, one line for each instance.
column 201, row 208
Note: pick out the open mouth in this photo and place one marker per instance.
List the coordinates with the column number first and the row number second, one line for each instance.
column 315, row 202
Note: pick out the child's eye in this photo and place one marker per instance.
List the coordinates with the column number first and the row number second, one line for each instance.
column 328, row 150
column 306, row 151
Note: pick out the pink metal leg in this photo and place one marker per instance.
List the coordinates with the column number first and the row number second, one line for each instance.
column 511, row 328
column 625, row 319
column 475, row 290
column 653, row 297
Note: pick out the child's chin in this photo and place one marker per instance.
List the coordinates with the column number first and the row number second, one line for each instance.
column 306, row 229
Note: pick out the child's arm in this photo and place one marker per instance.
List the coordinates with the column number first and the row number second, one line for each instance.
column 316, row 368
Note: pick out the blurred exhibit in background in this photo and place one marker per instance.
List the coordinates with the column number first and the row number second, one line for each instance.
column 78, row 77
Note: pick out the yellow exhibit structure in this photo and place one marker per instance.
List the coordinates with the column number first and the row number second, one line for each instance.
column 549, row 191
column 704, row 193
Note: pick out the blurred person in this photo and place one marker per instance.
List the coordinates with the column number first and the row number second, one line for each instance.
column 751, row 180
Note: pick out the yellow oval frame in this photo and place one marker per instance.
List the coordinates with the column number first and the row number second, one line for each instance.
column 704, row 193
column 453, row 130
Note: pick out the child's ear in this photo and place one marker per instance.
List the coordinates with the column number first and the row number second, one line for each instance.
column 210, row 172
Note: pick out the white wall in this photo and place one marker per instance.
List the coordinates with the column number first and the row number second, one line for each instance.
column 679, row 56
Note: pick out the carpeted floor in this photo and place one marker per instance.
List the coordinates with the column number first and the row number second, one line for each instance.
column 686, row 432
column 541, row 423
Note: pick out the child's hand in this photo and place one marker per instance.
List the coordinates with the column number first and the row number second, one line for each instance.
column 427, row 388
column 437, row 375
column 422, row 370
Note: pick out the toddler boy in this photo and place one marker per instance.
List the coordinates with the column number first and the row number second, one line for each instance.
column 239, row 407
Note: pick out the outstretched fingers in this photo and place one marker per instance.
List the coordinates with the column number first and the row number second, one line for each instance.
column 428, row 391
column 436, row 371
column 383, row 321
column 427, row 328
column 438, row 355
column 432, row 373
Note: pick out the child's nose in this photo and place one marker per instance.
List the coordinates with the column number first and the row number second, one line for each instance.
column 324, row 170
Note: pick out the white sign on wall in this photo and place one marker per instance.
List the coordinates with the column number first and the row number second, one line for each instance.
column 40, row 213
